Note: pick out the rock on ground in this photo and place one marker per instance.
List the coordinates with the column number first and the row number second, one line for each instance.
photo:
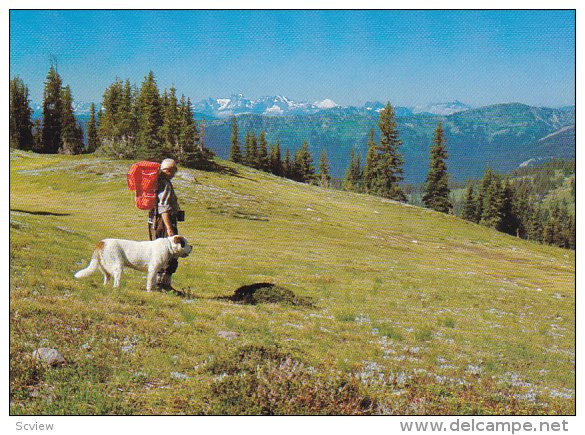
column 48, row 356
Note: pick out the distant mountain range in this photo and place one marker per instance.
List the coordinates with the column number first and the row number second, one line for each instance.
column 283, row 106
column 502, row 136
column 212, row 108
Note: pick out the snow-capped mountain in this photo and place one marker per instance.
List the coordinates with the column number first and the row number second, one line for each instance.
column 270, row 106
column 325, row 104
column 442, row 108
column 279, row 105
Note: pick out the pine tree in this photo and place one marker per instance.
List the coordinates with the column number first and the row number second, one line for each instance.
column 534, row 225
column 71, row 131
column 92, row 137
column 170, row 129
column 437, row 191
column 254, row 162
column 262, row 152
column 251, row 150
column 128, row 118
column 150, row 120
column 287, row 165
column 191, row 150
column 276, row 160
column 21, row 134
column 235, row 153
column 492, row 206
column 369, row 173
column 52, row 112
column 201, row 136
column 303, row 168
column 353, row 175
column 388, row 170
column 109, row 121
column 509, row 221
column 118, row 121
column 324, row 177
column 37, row 132
column 484, row 186
column 470, row 206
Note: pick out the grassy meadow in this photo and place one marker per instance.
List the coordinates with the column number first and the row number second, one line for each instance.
column 411, row 311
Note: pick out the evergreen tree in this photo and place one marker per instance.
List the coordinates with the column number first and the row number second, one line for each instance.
column 262, row 152
column 254, row 162
column 52, row 112
column 509, row 222
column 109, row 122
column 150, row 120
column 21, row 135
column 492, row 206
column 484, row 186
column 92, row 137
column 118, row 121
column 287, row 165
column 303, row 168
column 276, row 160
column 324, row 177
column 470, row 206
column 251, row 150
column 353, row 174
column 127, row 115
column 71, row 131
column 369, row 173
column 388, row 170
column 534, row 225
column 186, row 149
column 572, row 232
column 172, row 123
column 38, row 135
column 201, row 136
column 235, row 153
column 437, row 191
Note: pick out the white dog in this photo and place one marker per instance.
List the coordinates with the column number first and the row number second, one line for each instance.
column 111, row 255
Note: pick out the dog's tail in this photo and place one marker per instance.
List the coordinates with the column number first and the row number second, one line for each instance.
column 94, row 263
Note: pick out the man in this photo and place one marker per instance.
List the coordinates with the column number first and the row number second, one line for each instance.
column 162, row 219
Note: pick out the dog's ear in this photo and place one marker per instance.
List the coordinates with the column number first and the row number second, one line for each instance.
column 179, row 240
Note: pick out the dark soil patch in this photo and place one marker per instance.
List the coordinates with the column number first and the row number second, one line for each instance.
column 264, row 292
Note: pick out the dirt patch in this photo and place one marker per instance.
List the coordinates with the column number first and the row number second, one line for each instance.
column 264, row 292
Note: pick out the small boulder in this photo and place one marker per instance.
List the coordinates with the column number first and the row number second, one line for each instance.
column 50, row 357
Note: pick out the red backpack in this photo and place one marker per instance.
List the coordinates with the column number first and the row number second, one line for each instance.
column 142, row 178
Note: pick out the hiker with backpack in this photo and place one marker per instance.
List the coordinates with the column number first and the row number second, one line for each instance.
column 154, row 192
column 163, row 217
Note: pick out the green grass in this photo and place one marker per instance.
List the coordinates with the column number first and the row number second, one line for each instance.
column 412, row 312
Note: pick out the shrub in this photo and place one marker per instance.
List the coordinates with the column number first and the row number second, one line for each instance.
column 259, row 380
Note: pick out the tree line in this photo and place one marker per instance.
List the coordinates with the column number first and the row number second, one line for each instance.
column 515, row 206
column 133, row 123
column 258, row 154
column 382, row 171
column 59, row 131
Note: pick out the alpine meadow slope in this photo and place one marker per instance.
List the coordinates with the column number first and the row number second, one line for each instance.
column 409, row 311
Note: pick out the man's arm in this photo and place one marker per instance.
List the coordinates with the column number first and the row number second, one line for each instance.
column 166, row 217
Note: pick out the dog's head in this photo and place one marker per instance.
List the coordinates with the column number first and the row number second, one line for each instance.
column 180, row 246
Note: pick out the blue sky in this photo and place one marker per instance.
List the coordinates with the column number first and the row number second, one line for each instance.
column 406, row 57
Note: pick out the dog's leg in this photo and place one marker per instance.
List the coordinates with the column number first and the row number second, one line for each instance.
column 150, row 278
column 117, row 275
column 107, row 275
